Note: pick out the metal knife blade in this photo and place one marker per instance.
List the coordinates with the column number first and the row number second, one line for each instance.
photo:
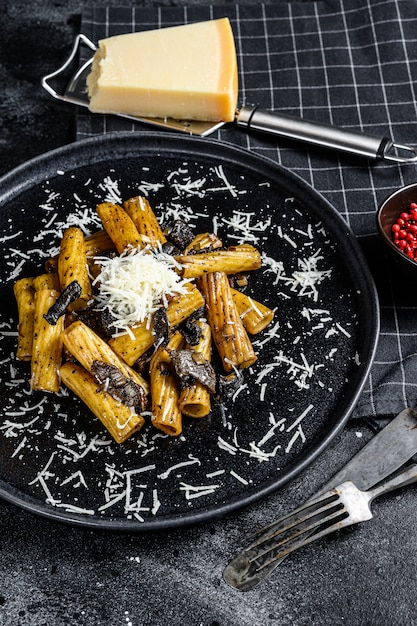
column 385, row 453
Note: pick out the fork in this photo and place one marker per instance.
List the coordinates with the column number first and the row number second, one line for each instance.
column 337, row 508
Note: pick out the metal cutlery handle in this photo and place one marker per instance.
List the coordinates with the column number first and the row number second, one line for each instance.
column 398, row 480
column 47, row 80
column 327, row 136
column 342, row 506
column 385, row 453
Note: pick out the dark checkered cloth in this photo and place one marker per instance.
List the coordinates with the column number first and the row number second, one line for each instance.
column 351, row 63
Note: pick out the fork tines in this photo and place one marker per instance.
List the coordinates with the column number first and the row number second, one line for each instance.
column 300, row 527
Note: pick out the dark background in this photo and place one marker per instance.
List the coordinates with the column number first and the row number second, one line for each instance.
column 53, row 575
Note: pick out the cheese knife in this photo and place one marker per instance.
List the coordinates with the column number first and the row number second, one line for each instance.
column 248, row 118
column 383, row 455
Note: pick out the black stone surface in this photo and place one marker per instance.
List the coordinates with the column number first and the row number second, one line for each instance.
column 53, row 575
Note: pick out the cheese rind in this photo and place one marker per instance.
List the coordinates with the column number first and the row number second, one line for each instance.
column 183, row 72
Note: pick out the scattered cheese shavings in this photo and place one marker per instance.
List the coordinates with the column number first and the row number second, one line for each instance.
column 111, row 189
column 271, row 432
column 192, row 461
column 156, row 503
column 309, row 276
column 243, row 229
column 192, row 492
column 239, row 478
column 300, row 418
column 19, row 447
column 219, row 170
column 77, row 478
column 299, row 434
column 225, row 445
column 121, row 486
column 8, row 237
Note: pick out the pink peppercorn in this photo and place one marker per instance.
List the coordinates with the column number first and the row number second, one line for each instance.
column 404, row 232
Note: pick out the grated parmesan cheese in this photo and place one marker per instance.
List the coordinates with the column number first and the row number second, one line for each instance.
column 134, row 285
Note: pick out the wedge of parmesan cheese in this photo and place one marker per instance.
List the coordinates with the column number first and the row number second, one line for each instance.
column 183, row 72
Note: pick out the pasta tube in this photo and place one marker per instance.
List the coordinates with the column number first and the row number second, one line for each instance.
column 87, row 347
column 98, row 242
column 202, row 241
column 229, row 334
column 145, row 220
column 195, row 400
column 242, row 258
column 254, row 315
column 120, row 420
column 181, row 307
column 72, row 266
column 94, row 244
column 130, row 348
column 47, row 344
column 120, row 227
column 49, row 280
column 166, row 415
column 24, row 292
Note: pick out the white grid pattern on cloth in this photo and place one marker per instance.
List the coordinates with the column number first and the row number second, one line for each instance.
column 346, row 62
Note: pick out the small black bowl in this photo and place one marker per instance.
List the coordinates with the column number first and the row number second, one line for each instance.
column 388, row 213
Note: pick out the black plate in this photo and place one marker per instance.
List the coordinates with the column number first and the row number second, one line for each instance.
column 56, row 459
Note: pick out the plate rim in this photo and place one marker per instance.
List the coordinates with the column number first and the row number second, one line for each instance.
column 20, row 179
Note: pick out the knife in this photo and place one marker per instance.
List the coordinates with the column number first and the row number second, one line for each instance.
column 248, row 118
column 385, row 453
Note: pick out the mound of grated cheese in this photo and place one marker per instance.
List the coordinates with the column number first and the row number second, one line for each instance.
column 134, row 285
